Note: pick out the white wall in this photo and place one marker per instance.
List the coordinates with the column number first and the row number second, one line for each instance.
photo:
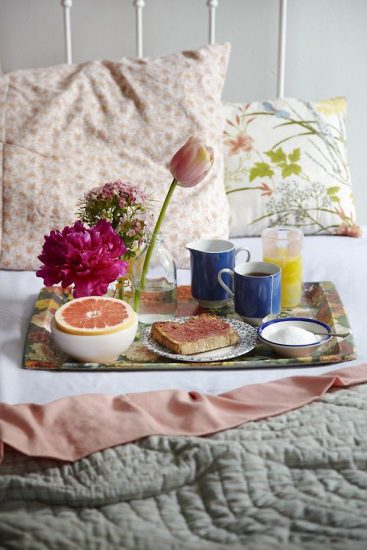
column 326, row 48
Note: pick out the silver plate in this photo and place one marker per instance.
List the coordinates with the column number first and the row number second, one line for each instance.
column 246, row 333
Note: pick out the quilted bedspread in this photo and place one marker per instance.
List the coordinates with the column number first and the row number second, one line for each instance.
column 298, row 480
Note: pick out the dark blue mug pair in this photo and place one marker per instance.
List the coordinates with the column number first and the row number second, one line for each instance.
column 207, row 258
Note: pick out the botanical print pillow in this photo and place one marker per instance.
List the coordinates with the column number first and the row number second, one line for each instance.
column 67, row 129
column 286, row 164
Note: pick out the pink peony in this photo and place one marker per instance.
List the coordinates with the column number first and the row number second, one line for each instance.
column 88, row 258
column 191, row 163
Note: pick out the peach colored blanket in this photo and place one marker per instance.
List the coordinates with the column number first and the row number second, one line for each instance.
column 74, row 427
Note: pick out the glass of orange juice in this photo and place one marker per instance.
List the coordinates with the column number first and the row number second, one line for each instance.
column 283, row 246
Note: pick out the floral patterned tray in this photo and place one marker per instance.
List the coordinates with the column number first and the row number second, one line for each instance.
column 320, row 301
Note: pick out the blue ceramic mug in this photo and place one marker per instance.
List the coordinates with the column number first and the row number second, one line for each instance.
column 256, row 290
column 207, row 258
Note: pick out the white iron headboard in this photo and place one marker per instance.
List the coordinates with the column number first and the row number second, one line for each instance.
column 212, row 8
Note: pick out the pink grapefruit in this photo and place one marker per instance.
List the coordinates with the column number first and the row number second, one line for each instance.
column 93, row 315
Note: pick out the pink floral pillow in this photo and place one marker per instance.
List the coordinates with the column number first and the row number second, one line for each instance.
column 67, row 129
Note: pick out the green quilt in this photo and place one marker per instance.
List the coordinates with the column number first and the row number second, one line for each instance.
column 298, row 480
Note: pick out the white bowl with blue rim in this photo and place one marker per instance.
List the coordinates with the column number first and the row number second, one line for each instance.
column 273, row 332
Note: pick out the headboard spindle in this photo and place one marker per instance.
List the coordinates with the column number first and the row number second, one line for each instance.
column 212, row 6
column 139, row 5
column 282, row 47
column 67, row 5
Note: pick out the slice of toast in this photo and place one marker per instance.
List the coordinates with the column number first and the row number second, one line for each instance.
column 196, row 335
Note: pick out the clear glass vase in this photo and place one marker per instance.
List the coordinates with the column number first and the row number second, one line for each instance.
column 156, row 299
column 122, row 287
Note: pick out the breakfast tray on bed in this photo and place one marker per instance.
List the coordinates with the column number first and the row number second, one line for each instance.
column 319, row 301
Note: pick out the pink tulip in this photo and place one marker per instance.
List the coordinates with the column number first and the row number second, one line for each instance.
column 188, row 166
column 191, row 163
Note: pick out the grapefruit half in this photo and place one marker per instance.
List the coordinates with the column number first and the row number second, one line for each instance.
column 93, row 315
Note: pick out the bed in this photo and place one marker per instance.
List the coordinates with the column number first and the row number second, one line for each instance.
column 292, row 480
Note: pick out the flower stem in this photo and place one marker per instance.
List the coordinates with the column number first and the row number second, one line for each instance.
column 120, row 288
column 152, row 243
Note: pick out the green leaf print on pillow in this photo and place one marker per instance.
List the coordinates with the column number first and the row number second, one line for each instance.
column 286, row 164
column 261, row 170
column 276, row 156
column 295, row 155
column 290, row 169
column 291, row 155
column 279, row 158
column 333, row 193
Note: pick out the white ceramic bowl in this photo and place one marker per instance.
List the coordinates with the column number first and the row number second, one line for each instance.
column 265, row 330
column 101, row 348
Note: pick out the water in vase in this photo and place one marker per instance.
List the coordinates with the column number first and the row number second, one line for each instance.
column 158, row 302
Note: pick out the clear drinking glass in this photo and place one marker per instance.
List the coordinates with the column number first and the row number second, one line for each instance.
column 283, row 246
column 158, row 298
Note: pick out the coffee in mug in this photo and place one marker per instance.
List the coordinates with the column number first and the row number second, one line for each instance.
column 255, row 290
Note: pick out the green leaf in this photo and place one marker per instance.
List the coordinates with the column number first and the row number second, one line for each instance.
column 261, row 170
column 289, row 169
column 333, row 190
column 276, row 156
column 295, row 155
column 334, row 198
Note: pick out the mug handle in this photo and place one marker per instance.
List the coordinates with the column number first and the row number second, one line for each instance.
column 241, row 249
column 222, row 283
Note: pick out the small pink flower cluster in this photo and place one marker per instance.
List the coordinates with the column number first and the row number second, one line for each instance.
column 127, row 193
column 124, row 205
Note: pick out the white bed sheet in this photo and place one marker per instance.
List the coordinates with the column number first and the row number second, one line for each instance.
column 338, row 259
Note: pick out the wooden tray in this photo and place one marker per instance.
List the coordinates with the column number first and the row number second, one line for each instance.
column 320, row 301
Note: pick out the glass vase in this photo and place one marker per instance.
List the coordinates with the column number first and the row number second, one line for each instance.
column 122, row 287
column 156, row 299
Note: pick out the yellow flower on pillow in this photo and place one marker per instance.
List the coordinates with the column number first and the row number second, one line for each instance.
column 332, row 106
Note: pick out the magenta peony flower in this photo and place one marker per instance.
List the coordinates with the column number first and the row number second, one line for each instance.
column 88, row 258
column 191, row 163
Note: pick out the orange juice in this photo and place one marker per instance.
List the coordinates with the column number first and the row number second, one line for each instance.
column 291, row 268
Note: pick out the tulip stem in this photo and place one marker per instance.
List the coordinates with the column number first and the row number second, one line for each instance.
column 151, row 245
